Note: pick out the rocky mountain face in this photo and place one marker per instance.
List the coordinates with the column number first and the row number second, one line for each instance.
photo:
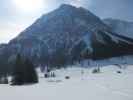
column 65, row 35
column 121, row 27
column 2, row 46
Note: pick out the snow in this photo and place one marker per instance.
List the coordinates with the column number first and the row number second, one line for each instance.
column 82, row 85
column 87, row 39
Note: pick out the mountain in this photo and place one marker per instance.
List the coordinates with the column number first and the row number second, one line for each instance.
column 2, row 46
column 121, row 27
column 66, row 35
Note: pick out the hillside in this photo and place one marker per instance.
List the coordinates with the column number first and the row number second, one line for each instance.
column 67, row 35
column 121, row 27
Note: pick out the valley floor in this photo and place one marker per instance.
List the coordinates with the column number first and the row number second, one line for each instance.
column 82, row 85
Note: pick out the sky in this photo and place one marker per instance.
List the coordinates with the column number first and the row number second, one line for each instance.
column 16, row 15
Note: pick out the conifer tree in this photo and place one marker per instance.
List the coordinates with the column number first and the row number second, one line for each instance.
column 18, row 71
column 30, row 72
column 24, row 72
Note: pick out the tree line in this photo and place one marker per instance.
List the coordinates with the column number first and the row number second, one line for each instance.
column 23, row 72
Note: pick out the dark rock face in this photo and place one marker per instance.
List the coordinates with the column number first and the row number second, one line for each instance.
column 111, row 45
column 65, row 35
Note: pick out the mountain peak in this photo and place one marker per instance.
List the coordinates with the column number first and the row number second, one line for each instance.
column 63, row 19
column 67, row 6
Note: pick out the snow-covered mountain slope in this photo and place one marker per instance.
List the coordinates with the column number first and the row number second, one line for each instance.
column 65, row 35
column 65, row 26
column 121, row 27
column 82, row 85
column 68, row 18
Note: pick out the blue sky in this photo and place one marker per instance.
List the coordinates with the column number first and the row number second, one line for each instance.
column 14, row 19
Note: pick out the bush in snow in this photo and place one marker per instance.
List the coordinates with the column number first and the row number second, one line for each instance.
column 96, row 70
column 119, row 72
column 67, row 77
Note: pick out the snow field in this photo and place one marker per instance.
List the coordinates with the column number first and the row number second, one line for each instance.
column 82, row 85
